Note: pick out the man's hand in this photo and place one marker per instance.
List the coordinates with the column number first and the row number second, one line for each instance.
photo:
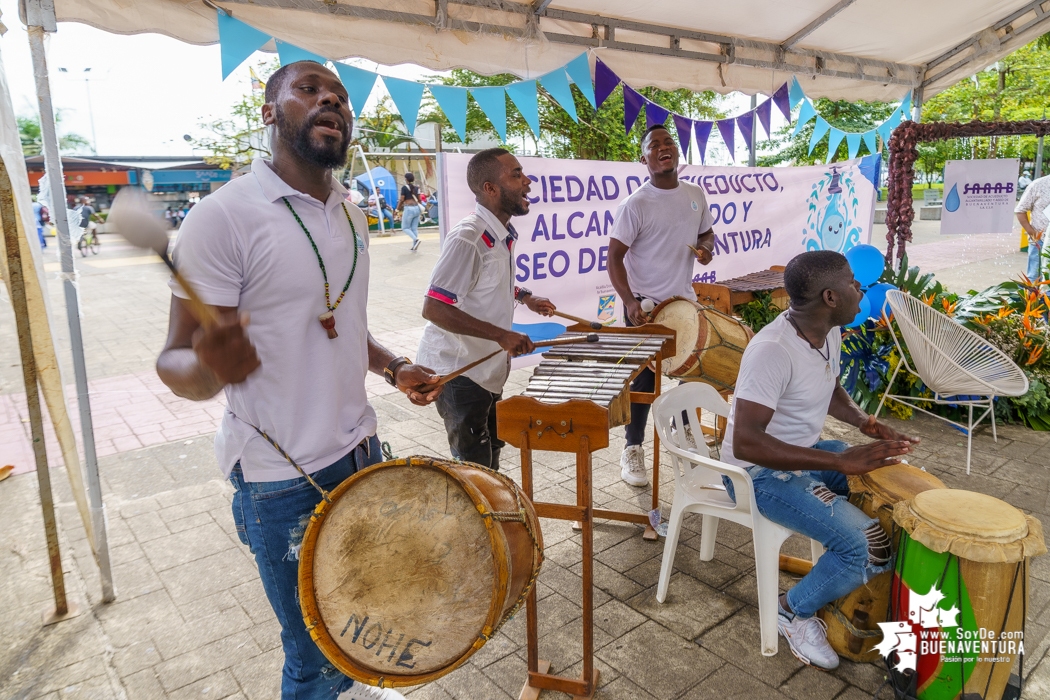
column 865, row 458
column 880, row 431
column 225, row 350
column 635, row 313
column 703, row 254
column 418, row 383
column 516, row 343
column 544, row 307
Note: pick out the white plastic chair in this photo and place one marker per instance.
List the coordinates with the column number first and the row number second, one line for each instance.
column 698, row 489
column 952, row 361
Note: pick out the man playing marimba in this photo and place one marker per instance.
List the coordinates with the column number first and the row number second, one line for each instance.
column 649, row 258
column 787, row 386
column 470, row 307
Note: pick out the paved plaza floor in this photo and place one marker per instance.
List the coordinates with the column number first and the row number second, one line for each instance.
column 191, row 619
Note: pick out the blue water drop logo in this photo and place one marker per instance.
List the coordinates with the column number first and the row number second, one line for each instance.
column 951, row 202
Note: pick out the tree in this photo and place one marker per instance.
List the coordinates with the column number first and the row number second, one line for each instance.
column 932, row 157
column 847, row 116
column 383, row 129
column 30, row 135
column 233, row 142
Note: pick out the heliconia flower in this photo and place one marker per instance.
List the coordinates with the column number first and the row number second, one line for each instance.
column 1034, row 356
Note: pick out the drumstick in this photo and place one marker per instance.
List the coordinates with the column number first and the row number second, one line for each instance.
column 593, row 324
column 695, row 252
column 592, row 338
column 131, row 217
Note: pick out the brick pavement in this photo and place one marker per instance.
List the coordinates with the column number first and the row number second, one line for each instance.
column 191, row 619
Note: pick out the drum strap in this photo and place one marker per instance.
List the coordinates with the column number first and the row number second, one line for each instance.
column 324, row 494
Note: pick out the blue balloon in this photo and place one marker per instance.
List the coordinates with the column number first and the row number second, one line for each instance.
column 865, row 311
column 876, row 295
column 867, row 263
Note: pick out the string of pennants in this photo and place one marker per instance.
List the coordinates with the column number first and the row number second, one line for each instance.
column 239, row 40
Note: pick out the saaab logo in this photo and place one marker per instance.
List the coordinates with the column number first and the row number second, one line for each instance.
column 912, row 637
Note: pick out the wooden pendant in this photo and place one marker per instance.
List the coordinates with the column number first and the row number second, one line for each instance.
column 327, row 320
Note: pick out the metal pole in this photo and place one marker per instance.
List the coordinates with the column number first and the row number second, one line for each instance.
column 91, row 114
column 754, row 129
column 29, row 377
column 916, row 104
column 53, row 163
column 372, row 182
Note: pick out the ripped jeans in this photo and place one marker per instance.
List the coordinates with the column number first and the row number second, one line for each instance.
column 814, row 504
column 270, row 518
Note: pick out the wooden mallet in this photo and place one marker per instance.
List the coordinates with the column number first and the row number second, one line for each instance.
column 593, row 324
column 131, row 217
column 591, row 338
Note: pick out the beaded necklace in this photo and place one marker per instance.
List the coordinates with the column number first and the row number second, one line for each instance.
column 327, row 319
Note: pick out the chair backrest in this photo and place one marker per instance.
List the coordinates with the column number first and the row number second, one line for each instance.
column 668, row 409
column 950, row 358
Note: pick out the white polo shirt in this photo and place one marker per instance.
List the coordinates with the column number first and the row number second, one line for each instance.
column 241, row 247
column 473, row 274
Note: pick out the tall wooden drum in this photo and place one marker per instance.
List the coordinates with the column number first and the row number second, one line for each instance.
column 413, row 564
column 710, row 344
column 853, row 629
column 960, row 593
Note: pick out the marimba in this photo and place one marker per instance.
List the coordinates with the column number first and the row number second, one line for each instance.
column 575, row 395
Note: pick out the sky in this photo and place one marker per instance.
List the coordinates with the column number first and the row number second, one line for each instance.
column 145, row 91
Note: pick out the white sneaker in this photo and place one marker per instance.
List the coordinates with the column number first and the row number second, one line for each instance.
column 690, row 441
column 360, row 691
column 632, row 466
column 808, row 639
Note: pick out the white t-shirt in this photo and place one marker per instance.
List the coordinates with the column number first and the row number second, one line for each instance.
column 658, row 225
column 241, row 247
column 782, row 371
column 474, row 275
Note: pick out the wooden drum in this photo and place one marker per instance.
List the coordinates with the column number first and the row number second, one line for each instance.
column 413, row 564
column 852, row 620
column 960, row 593
column 710, row 344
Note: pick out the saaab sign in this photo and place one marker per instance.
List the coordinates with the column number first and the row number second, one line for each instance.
column 979, row 196
column 763, row 217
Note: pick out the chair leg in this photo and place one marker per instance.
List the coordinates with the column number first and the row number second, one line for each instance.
column 674, row 529
column 767, row 575
column 969, row 440
column 991, row 402
column 889, row 385
column 815, row 550
column 708, row 533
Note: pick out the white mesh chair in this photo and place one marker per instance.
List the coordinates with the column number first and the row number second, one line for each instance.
column 957, row 365
column 698, row 489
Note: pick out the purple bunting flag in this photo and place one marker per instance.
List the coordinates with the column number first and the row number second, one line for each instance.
column 727, row 128
column 632, row 106
column 605, row 81
column 685, row 132
column 703, row 132
column 765, row 111
column 781, row 99
column 746, row 124
column 654, row 114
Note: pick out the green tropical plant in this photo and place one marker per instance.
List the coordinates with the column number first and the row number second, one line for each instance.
column 30, row 135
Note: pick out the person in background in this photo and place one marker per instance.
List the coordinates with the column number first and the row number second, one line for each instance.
column 1023, row 182
column 1031, row 213
column 410, row 208
column 374, row 203
column 86, row 211
column 42, row 216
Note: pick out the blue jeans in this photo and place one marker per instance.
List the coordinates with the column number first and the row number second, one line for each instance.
column 814, row 504
column 410, row 220
column 271, row 517
column 40, row 233
column 388, row 215
column 1035, row 259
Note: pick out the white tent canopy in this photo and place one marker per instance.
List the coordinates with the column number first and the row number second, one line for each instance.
column 846, row 49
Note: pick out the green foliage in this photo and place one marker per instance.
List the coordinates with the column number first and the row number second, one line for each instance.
column 383, row 129
column 848, row 116
column 759, row 312
column 910, row 280
column 30, row 135
column 233, row 142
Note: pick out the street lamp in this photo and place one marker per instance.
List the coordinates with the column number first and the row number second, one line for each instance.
column 91, row 111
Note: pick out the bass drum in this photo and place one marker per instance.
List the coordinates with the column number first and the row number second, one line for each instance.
column 413, row 564
column 710, row 344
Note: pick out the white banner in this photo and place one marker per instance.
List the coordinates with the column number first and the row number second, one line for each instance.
column 763, row 217
column 979, row 196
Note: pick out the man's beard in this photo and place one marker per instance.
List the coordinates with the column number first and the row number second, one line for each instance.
column 515, row 205
column 329, row 155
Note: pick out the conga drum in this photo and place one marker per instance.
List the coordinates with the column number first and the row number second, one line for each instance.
column 959, row 596
column 411, row 565
column 853, row 629
column 709, row 343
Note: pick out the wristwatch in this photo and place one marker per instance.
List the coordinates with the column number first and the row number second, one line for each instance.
column 520, row 293
column 391, row 370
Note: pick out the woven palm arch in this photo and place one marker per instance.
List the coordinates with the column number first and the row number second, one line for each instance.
column 903, row 153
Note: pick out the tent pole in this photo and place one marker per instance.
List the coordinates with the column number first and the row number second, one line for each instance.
column 916, row 104
column 754, row 129
column 53, row 163
column 372, row 182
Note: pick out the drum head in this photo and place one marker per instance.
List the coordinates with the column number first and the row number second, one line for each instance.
column 403, row 571
column 895, row 482
column 970, row 514
column 683, row 317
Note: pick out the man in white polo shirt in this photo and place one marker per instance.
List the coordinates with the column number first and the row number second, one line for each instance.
column 470, row 307
column 649, row 258
column 279, row 248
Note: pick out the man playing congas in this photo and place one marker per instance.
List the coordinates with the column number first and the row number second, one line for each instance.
column 788, row 385
column 649, row 258
column 470, row 306
column 268, row 245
